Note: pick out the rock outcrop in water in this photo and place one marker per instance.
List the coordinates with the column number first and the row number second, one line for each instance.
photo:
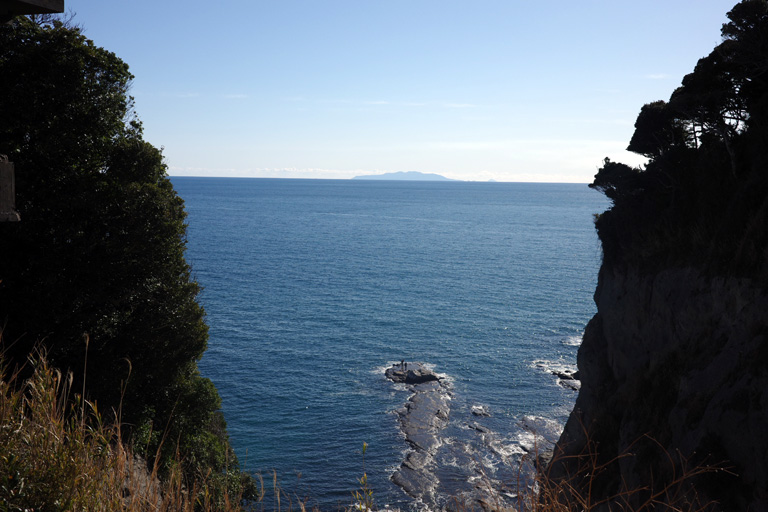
column 416, row 374
column 421, row 419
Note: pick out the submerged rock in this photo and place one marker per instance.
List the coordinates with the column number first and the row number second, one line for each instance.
column 566, row 374
column 571, row 384
column 479, row 428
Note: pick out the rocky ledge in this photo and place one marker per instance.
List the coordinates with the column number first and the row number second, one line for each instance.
column 410, row 373
column 421, row 419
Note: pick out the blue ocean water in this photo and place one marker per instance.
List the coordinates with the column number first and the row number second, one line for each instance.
column 313, row 287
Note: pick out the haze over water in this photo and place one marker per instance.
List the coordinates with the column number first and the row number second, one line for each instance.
column 313, row 287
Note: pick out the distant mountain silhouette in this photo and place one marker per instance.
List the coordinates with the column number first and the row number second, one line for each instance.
column 405, row 176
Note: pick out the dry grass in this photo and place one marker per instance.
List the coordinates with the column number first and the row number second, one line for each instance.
column 577, row 491
column 57, row 454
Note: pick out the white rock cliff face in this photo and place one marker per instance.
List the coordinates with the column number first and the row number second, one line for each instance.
column 674, row 370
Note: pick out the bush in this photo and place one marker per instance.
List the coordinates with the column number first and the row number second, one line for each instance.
column 97, row 263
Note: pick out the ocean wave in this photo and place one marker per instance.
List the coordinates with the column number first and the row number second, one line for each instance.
column 573, row 341
column 507, row 450
column 539, row 433
column 554, row 366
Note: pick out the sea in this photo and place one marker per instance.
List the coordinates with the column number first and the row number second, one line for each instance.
column 312, row 288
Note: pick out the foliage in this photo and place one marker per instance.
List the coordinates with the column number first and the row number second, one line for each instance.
column 657, row 130
column 362, row 500
column 701, row 198
column 615, row 179
column 56, row 453
column 95, row 270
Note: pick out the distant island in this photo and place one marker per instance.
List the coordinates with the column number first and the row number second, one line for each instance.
column 404, row 176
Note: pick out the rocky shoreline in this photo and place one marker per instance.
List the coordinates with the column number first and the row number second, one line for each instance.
column 429, row 471
column 421, row 420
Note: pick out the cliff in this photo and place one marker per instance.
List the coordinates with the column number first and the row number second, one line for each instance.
column 673, row 408
column 674, row 364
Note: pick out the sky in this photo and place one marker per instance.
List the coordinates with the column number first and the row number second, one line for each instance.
column 509, row 90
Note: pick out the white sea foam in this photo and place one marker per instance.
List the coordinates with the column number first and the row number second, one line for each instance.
column 573, row 341
column 507, row 450
column 379, row 370
column 539, row 433
column 489, row 463
column 452, row 461
column 553, row 366
column 419, row 506
column 399, row 386
column 474, row 479
column 390, row 469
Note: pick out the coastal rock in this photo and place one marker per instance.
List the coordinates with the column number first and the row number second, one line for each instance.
column 425, row 414
column 568, row 379
column 415, row 475
column 573, row 385
column 410, row 373
column 480, row 410
column 566, row 374
column 421, row 420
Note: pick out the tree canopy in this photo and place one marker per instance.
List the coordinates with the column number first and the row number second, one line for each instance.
column 95, row 271
column 705, row 176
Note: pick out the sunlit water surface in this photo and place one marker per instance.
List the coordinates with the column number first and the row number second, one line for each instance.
column 313, row 287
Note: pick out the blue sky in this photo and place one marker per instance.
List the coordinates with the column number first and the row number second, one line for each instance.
column 511, row 90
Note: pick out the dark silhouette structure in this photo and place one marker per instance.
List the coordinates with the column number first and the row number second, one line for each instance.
column 9, row 9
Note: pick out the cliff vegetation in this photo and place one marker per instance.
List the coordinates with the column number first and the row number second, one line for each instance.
column 702, row 197
column 673, row 364
column 94, row 274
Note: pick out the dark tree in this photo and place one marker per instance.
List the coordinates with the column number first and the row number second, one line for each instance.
column 746, row 47
column 615, row 179
column 706, row 146
column 657, row 130
column 97, row 263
